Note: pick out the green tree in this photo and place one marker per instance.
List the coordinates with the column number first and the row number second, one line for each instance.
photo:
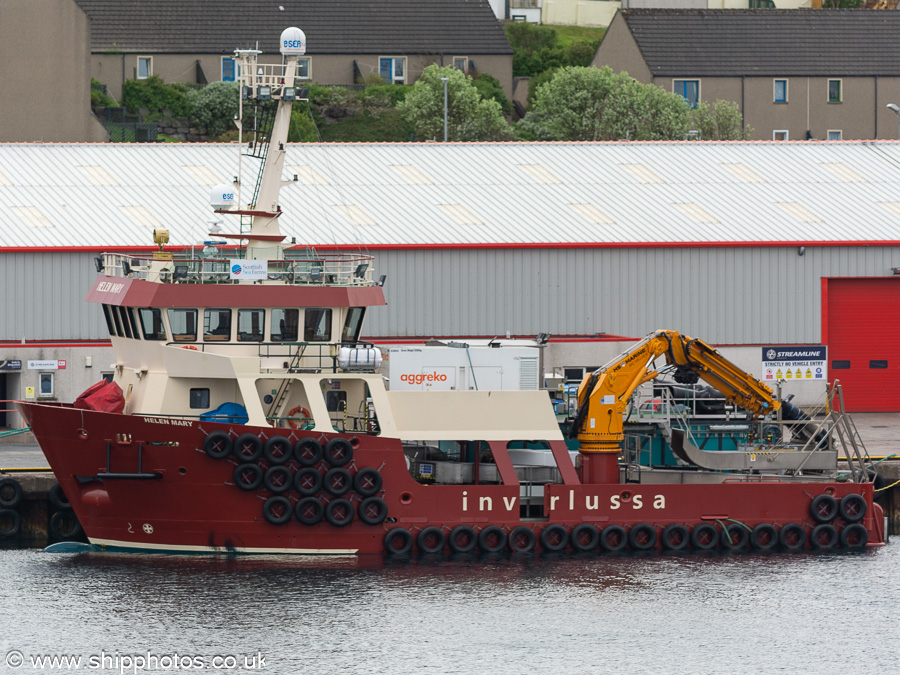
column 157, row 96
column 215, row 107
column 469, row 117
column 489, row 87
column 719, row 121
column 591, row 104
column 529, row 36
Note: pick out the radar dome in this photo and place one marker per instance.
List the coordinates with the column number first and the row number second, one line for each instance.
column 222, row 196
column 293, row 41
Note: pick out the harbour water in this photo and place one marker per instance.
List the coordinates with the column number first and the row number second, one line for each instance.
column 744, row 613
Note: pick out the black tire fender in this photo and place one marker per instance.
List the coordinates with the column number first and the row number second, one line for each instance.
column 277, row 450
column 854, row 536
column 337, row 481
column 792, row 537
column 734, row 537
column 372, row 510
column 15, row 523
column 613, row 538
column 247, row 448
column 339, row 512
column 554, row 538
column 823, row 537
column 278, row 479
column 642, row 537
column 58, row 499
column 435, row 536
column 398, row 541
column 218, row 444
column 764, row 537
column 277, row 510
column 522, row 539
column 823, row 508
column 704, row 537
column 308, row 451
column 309, row 511
column 64, row 525
column 367, row 482
column 248, row 476
column 488, row 533
column 307, row 481
column 338, row 451
column 852, row 508
column 584, row 537
column 463, row 539
column 11, row 493
column 675, row 537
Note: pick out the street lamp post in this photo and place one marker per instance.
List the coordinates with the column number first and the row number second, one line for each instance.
column 896, row 109
column 444, row 80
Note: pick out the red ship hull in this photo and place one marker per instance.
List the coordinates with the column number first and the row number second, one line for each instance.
column 147, row 483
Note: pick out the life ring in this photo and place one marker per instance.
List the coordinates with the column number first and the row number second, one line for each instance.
column 64, row 525
column 367, row 481
column 522, row 539
column 398, row 541
column 217, row 444
column 247, row 447
column 704, row 537
column 309, row 511
column 10, row 493
column 462, row 539
column 675, row 537
column 190, row 347
column 585, row 537
column 277, row 450
column 308, row 482
column 372, row 510
column 735, row 537
column 308, row 451
column 338, row 451
column 248, row 476
column 296, row 423
column 613, row 538
column 58, row 499
column 492, row 539
column 554, row 538
column 431, row 540
column 823, row 508
column 854, row 535
column 764, row 537
column 642, row 537
column 278, row 479
column 792, row 537
column 277, row 510
column 339, row 512
column 15, row 523
column 337, row 481
column 823, row 537
column 852, row 508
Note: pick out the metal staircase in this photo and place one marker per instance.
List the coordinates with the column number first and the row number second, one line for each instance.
column 285, row 386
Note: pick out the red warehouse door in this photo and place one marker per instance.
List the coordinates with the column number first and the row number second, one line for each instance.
column 863, row 337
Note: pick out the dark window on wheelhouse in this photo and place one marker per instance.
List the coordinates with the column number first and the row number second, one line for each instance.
column 251, row 325
column 200, row 398
column 183, row 323
column 217, row 324
column 317, row 327
column 152, row 323
column 285, row 325
column 127, row 326
column 116, row 320
column 129, row 311
column 353, row 324
column 109, row 322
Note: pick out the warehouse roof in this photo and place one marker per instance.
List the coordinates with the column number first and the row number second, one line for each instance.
column 459, row 195
column 386, row 27
column 732, row 42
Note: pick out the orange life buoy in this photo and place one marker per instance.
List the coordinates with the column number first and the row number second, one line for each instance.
column 306, row 417
column 190, row 347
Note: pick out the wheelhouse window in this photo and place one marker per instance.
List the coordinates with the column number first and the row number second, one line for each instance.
column 353, row 324
column 834, row 91
column 183, row 323
column 392, row 69
column 152, row 323
column 133, row 321
column 114, row 312
column 107, row 314
column 285, row 325
column 199, row 398
column 689, row 90
column 317, row 326
column 216, row 324
column 251, row 325
column 144, row 67
column 781, row 91
column 124, row 315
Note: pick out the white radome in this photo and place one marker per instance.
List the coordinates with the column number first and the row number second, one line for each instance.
column 293, row 41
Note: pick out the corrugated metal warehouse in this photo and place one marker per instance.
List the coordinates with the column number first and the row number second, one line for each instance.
column 741, row 244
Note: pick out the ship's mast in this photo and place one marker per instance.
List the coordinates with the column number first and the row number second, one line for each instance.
column 261, row 83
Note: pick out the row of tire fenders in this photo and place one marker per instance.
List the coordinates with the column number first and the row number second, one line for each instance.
column 309, row 482
column 62, row 526
column 704, row 536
